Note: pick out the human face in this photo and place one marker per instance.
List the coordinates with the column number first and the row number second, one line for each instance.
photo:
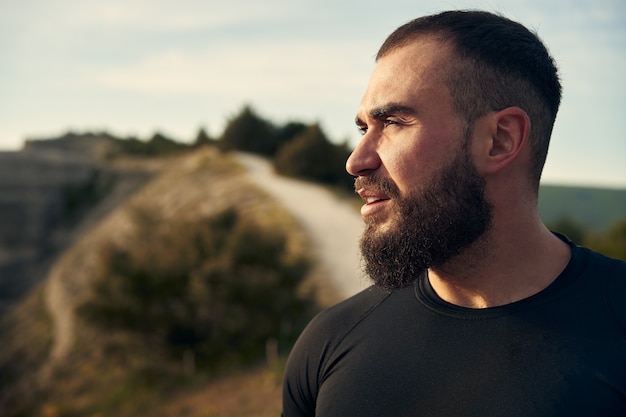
column 425, row 200
column 409, row 126
column 430, row 226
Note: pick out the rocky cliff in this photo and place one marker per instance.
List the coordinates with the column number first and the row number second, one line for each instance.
column 48, row 191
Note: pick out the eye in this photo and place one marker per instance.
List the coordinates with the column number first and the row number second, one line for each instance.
column 389, row 122
column 362, row 129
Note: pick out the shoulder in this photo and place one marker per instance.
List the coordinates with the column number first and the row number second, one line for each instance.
column 610, row 276
column 602, row 268
column 316, row 345
column 615, row 273
column 333, row 323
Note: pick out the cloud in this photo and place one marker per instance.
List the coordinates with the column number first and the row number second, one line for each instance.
column 156, row 14
column 252, row 69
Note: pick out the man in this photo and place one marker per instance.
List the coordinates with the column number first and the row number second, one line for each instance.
column 477, row 309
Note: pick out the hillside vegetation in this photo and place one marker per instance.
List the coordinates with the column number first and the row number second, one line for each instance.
column 591, row 217
column 199, row 274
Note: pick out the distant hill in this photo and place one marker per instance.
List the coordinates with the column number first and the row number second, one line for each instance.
column 595, row 209
column 54, row 188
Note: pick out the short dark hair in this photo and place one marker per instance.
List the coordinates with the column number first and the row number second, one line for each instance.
column 499, row 63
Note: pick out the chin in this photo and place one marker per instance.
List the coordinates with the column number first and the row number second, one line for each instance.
column 379, row 226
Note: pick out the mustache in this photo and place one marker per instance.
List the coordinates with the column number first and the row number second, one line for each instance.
column 378, row 184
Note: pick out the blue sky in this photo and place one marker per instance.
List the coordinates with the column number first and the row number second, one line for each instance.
column 134, row 67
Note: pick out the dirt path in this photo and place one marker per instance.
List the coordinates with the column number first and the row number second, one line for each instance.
column 334, row 225
column 60, row 294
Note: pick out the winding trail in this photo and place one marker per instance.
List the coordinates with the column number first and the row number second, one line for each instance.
column 333, row 224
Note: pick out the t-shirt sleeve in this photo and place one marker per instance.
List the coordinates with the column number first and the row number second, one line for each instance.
column 616, row 293
column 301, row 372
column 304, row 372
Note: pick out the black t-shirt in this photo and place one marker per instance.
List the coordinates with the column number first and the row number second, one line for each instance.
column 561, row 352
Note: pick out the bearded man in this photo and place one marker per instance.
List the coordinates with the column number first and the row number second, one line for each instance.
column 477, row 309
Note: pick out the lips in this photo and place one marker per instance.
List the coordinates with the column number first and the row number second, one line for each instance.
column 375, row 203
column 376, row 192
column 371, row 196
column 372, row 200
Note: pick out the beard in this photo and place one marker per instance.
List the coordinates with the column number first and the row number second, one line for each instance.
column 431, row 226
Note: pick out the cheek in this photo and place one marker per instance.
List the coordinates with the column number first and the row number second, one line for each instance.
column 410, row 167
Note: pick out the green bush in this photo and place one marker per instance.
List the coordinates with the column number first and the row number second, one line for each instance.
column 311, row 156
column 157, row 145
column 287, row 132
column 202, row 138
column 612, row 243
column 248, row 132
column 220, row 288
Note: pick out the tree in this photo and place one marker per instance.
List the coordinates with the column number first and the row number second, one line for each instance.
column 157, row 145
column 249, row 132
column 160, row 144
column 312, row 156
column 288, row 132
column 202, row 138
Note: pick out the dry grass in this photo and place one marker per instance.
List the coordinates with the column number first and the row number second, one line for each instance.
column 254, row 393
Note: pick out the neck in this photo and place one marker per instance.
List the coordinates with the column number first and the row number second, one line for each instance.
column 502, row 268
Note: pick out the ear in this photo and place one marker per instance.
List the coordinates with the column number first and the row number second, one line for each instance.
column 507, row 133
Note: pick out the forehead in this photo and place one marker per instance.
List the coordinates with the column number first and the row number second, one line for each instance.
column 410, row 72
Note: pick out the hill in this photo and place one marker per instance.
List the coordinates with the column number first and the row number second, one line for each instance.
column 108, row 373
column 595, row 209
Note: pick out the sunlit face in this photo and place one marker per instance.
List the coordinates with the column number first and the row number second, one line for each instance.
column 409, row 126
column 425, row 200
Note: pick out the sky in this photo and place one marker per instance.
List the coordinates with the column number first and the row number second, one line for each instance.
column 137, row 67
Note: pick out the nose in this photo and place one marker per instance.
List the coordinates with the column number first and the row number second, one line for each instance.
column 364, row 159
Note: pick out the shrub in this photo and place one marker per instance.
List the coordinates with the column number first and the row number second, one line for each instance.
column 612, row 243
column 219, row 288
column 311, row 156
column 157, row 145
column 202, row 138
column 249, row 132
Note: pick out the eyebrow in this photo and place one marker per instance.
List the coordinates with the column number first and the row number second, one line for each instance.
column 387, row 110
